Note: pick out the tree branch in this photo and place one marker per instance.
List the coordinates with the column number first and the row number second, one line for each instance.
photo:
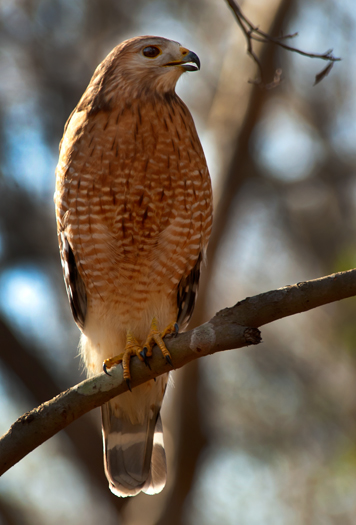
column 28, row 367
column 230, row 328
column 253, row 33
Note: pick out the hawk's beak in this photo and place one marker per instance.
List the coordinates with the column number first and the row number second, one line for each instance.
column 189, row 61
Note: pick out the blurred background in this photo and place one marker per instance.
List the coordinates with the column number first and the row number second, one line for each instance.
column 263, row 435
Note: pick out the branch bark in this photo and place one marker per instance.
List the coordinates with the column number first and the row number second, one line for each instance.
column 230, row 328
column 29, row 369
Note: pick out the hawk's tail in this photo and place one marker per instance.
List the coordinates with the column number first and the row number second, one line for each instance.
column 134, row 456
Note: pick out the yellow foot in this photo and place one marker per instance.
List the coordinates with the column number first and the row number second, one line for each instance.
column 133, row 348
column 155, row 337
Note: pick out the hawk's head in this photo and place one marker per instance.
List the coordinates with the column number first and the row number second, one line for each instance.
column 142, row 65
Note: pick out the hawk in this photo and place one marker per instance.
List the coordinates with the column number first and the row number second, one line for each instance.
column 134, row 215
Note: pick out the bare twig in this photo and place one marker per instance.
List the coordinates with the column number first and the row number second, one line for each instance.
column 253, row 33
column 241, row 168
column 230, row 328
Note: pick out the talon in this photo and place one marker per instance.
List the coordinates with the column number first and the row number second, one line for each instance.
column 176, row 329
column 105, row 369
column 128, row 382
column 147, row 363
column 143, row 353
column 169, row 360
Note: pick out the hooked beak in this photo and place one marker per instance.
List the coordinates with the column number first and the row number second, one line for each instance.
column 189, row 62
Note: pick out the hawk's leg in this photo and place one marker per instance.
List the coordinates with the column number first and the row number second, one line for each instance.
column 133, row 348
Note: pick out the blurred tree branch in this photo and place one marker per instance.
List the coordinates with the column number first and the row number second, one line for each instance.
column 187, row 449
column 242, row 166
column 230, row 328
column 253, row 33
column 240, row 169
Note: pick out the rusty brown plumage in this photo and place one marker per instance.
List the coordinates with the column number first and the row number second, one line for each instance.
column 134, row 214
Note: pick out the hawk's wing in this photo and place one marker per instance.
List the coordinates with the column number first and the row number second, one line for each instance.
column 187, row 294
column 74, row 283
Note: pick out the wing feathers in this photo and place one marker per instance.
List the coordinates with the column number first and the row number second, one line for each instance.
column 74, row 283
column 187, row 294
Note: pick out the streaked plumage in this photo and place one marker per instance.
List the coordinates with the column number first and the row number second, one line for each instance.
column 134, row 215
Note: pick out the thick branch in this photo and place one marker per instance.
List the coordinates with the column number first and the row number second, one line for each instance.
column 230, row 328
column 28, row 369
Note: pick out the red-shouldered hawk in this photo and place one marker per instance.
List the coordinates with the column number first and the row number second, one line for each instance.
column 134, row 215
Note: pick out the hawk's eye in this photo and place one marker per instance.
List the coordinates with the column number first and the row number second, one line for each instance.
column 151, row 51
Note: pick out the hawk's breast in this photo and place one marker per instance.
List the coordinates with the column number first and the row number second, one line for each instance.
column 134, row 197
